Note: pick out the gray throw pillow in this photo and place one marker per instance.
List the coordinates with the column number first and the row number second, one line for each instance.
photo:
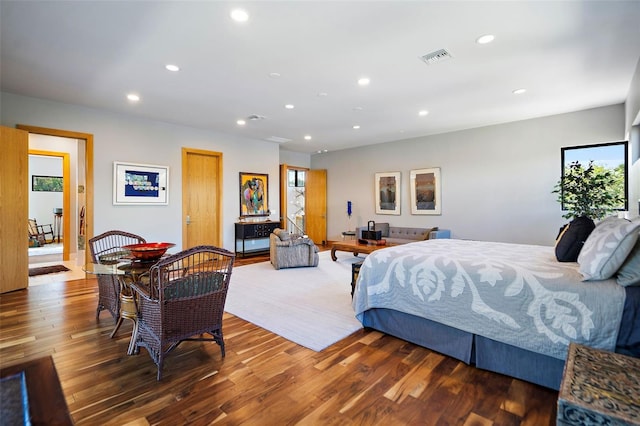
column 607, row 248
column 282, row 234
column 629, row 272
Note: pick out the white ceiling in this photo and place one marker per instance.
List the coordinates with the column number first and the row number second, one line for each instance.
column 569, row 55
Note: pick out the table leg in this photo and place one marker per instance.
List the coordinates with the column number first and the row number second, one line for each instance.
column 128, row 310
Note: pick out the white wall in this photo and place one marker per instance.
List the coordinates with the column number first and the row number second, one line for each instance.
column 138, row 140
column 496, row 180
column 632, row 111
column 297, row 159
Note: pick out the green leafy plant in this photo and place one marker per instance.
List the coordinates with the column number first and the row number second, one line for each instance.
column 592, row 191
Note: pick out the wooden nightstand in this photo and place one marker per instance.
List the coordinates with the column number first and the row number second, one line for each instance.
column 599, row 388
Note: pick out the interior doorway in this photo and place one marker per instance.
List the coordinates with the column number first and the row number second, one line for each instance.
column 49, row 199
column 82, row 210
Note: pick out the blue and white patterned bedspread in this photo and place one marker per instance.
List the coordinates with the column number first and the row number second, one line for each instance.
column 512, row 293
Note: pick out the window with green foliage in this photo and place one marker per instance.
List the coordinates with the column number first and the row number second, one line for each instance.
column 593, row 180
column 46, row 183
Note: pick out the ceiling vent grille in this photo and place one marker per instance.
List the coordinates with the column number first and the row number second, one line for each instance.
column 437, row 56
column 278, row 139
column 255, row 117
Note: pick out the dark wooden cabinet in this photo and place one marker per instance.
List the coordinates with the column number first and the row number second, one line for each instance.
column 255, row 234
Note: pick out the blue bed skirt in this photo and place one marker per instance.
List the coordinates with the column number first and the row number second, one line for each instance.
column 484, row 353
column 495, row 356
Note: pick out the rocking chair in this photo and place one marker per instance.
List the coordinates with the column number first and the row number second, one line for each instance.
column 38, row 233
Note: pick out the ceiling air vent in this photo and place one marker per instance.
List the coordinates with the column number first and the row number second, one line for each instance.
column 278, row 139
column 254, row 117
column 437, row 56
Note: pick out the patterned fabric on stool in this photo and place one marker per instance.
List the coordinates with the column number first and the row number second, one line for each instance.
column 291, row 250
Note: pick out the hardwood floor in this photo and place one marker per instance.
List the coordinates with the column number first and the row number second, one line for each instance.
column 367, row 378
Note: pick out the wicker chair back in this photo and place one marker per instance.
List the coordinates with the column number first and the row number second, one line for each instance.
column 107, row 248
column 184, row 298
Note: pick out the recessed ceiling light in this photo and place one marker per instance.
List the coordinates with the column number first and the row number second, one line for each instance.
column 241, row 122
column 358, row 108
column 322, row 94
column 519, row 91
column 289, row 106
column 356, row 127
column 423, row 113
column 239, row 15
column 171, row 67
column 364, row 81
column 484, row 39
column 133, row 97
column 274, row 74
column 307, row 138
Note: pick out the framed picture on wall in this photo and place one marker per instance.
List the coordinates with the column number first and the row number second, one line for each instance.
column 425, row 191
column 140, row 184
column 254, row 194
column 388, row 193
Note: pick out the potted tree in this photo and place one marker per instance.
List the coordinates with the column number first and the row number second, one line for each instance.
column 587, row 194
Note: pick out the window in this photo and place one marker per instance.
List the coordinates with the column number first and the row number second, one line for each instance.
column 611, row 156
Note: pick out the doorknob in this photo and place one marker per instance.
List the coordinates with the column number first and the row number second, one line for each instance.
column 188, row 220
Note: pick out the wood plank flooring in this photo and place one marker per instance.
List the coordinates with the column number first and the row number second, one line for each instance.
column 366, row 379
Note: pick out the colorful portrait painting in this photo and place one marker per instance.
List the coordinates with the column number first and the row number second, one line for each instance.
column 254, row 194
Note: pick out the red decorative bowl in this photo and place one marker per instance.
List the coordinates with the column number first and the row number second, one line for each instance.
column 148, row 251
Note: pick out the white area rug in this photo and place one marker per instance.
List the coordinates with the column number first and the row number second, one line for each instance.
column 309, row 306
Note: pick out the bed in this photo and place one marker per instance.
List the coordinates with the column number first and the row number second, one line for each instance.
column 508, row 308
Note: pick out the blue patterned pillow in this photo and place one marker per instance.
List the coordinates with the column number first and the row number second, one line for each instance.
column 607, row 248
column 629, row 272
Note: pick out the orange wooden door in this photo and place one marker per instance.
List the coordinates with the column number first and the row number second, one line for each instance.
column 201, row 198
column 14, row 209
column 316, row 205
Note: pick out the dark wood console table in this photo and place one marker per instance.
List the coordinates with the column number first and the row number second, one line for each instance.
column 254, row 232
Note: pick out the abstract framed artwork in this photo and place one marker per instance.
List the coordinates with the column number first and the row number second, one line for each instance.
column 46, row 183
column 140, row 184
column 388, row 193
column 254, row 194
column 425, row 191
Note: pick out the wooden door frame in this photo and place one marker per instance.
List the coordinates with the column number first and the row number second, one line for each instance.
column 219, row 188
column 66, row 196
column 88, row 165
column 284, row 194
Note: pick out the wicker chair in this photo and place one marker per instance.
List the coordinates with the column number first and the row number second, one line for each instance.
column 105, row 248
column 183, row 297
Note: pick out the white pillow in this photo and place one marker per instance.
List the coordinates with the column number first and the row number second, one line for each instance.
column 629, row 272
column 607, row 248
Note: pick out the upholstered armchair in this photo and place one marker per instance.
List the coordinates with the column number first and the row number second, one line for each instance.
column 107, row 248
column 183, row 300
column 291, row 250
